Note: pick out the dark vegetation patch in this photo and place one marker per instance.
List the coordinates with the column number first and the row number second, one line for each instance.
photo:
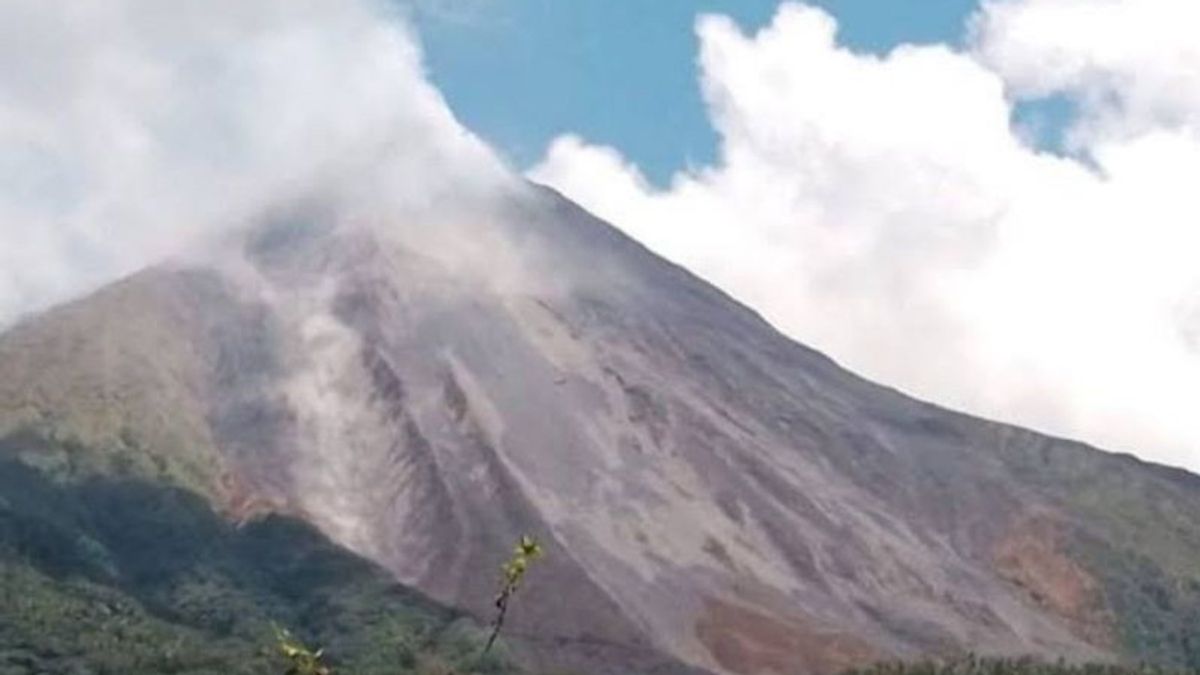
column 971, row 665
column 116, row 574
column 1158, row 614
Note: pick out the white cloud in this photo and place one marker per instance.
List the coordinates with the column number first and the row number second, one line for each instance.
column 1135, row 64
column 127, row 127
column 884, row 209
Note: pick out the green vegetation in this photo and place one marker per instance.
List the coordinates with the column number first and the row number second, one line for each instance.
column 303, row 660
column 109, row 567
column 526, row 551
column 1158, row 614
column 972, row 665
column 114, row 574
column 1138, row 537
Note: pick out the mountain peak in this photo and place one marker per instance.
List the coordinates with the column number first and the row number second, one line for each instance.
column 709, row 491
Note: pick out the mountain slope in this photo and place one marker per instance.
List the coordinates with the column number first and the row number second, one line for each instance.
column 707, row 488
column 113, row 574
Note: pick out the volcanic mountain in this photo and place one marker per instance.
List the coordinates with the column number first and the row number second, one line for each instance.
column 709, row 492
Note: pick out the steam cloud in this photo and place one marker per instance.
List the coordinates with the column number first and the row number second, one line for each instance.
column 883, row 209
column 886, row 210
column 130, row 127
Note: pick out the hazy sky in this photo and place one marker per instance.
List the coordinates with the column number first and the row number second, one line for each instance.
column 992, row 207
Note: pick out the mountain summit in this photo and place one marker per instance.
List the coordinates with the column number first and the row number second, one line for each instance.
column 709, row 492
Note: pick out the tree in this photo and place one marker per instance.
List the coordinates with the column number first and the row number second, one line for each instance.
column 526, row 551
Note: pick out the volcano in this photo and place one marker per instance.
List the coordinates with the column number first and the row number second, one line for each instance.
column 711, row 495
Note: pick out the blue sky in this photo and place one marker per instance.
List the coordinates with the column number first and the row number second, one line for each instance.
column 622, row 72
column 875, row 206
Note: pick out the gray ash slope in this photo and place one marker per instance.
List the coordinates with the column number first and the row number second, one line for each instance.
column 709, row 491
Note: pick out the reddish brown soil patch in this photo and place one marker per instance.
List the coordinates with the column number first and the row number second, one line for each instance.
column 1031, row 556
column 748, row 641
column 240, row 503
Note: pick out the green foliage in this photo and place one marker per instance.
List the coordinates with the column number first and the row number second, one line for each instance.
column 526, row 551
column 303, row 660
column 973, row 665
column 1139, row 536
column 1157, row 614
column 118, row 575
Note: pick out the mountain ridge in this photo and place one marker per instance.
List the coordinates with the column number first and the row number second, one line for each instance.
column 708, row 488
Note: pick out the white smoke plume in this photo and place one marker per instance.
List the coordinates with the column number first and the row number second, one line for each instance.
column 130, row 127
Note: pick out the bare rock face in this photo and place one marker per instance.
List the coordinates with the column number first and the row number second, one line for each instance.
column 710, row 492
